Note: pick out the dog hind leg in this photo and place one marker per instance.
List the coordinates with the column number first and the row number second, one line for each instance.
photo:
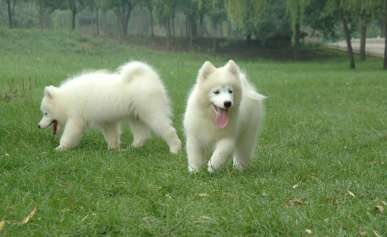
column 140, row 131
column 162, row 127
column 112, row 134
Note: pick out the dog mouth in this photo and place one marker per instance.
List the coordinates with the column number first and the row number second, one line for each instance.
column 55, row 126
column 221, row 116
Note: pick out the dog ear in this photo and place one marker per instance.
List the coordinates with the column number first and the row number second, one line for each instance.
column 49, row 91
column 206, row 70
column 232, row 67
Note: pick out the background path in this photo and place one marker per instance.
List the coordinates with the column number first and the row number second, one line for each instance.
column 375, row 46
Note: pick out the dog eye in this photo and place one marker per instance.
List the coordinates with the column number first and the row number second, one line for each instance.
column 230, row 91
column 45, row 113
column 216, row 92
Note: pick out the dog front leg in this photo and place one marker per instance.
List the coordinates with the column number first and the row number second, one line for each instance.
column 72, row 134
column 223, row 151
column 195, row 155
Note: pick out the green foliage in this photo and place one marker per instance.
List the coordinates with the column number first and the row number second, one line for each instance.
column 51, row 5
column 320, row 20
column 245, row 14
column 262, row 20
column 165, row 10
column 296, row 11
column 216, row 10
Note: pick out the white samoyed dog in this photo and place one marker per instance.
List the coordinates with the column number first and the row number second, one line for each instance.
column 223, row 115
column 103, row 99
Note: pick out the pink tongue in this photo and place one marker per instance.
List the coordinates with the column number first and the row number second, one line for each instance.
column 221, row 119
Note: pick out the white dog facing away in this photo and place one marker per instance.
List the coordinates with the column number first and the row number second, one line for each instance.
column 103, row 99
column 223, row 115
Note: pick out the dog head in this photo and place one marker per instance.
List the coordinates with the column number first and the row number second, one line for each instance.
column 49, row 109
column 222, row 90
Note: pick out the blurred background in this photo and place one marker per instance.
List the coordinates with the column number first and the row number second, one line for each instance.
column 214, row 25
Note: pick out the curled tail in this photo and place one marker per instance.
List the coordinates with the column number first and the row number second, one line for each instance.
column 253, row 95
column 135, row 68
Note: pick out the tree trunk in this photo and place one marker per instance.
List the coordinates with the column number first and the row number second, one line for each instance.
column 10, row 14
column 124, row 25
column 44, row 16
column 248, row 38
column 297, row 31
column 73, row 8
column 297, row 34
column 215, row 39
column 73, row 18
column 385, row 37
column 41, row 15
column 97, row 21
column 13, row 8
column 201, row 25
column 169, row 34
column 172, row 28
column 348, row 39
column 124, row 11
column 151, row 23
column 193, row 26
column 363, row 37
column 191, row 32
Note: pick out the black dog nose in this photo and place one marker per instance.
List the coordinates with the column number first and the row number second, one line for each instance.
column 227, row 104
column 38, row 126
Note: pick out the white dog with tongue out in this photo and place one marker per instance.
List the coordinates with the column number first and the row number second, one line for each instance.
column 104, row 99
column 223, row 115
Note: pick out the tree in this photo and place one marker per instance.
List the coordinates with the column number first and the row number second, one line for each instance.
column 97, row 6
column 345, row 11
column 318, row 19
column 296, row 10
column 166, row 11
column 216, row 12
column 385, row 36
column 348, row 38
column 367, row 9
column 45, row 8
column 149, row 6
column 11, row 12
column 244, row 15
column 123, row 9
column 365, row 13
column 266, row 20
column 190, row 8
column 73, row 6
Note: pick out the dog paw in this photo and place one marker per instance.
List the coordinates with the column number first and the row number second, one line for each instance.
column 174, row 151
column 238, row 166
column 59, row 148
column 192, row 170
column 137, row 144
column 114, row 148
column 175, row 148
column 210, row 168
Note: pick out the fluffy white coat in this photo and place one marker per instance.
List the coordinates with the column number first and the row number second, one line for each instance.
column 103, row 99
column 223, row 115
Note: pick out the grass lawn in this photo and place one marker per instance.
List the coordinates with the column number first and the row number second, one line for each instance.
column 320, row 167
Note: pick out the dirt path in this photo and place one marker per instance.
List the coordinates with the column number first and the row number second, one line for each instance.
column 375, row 46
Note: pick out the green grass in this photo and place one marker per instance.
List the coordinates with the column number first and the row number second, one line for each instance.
column 325, row 137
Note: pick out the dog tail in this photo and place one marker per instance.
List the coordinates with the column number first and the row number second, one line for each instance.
column 133, row 69
column 253, row 95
